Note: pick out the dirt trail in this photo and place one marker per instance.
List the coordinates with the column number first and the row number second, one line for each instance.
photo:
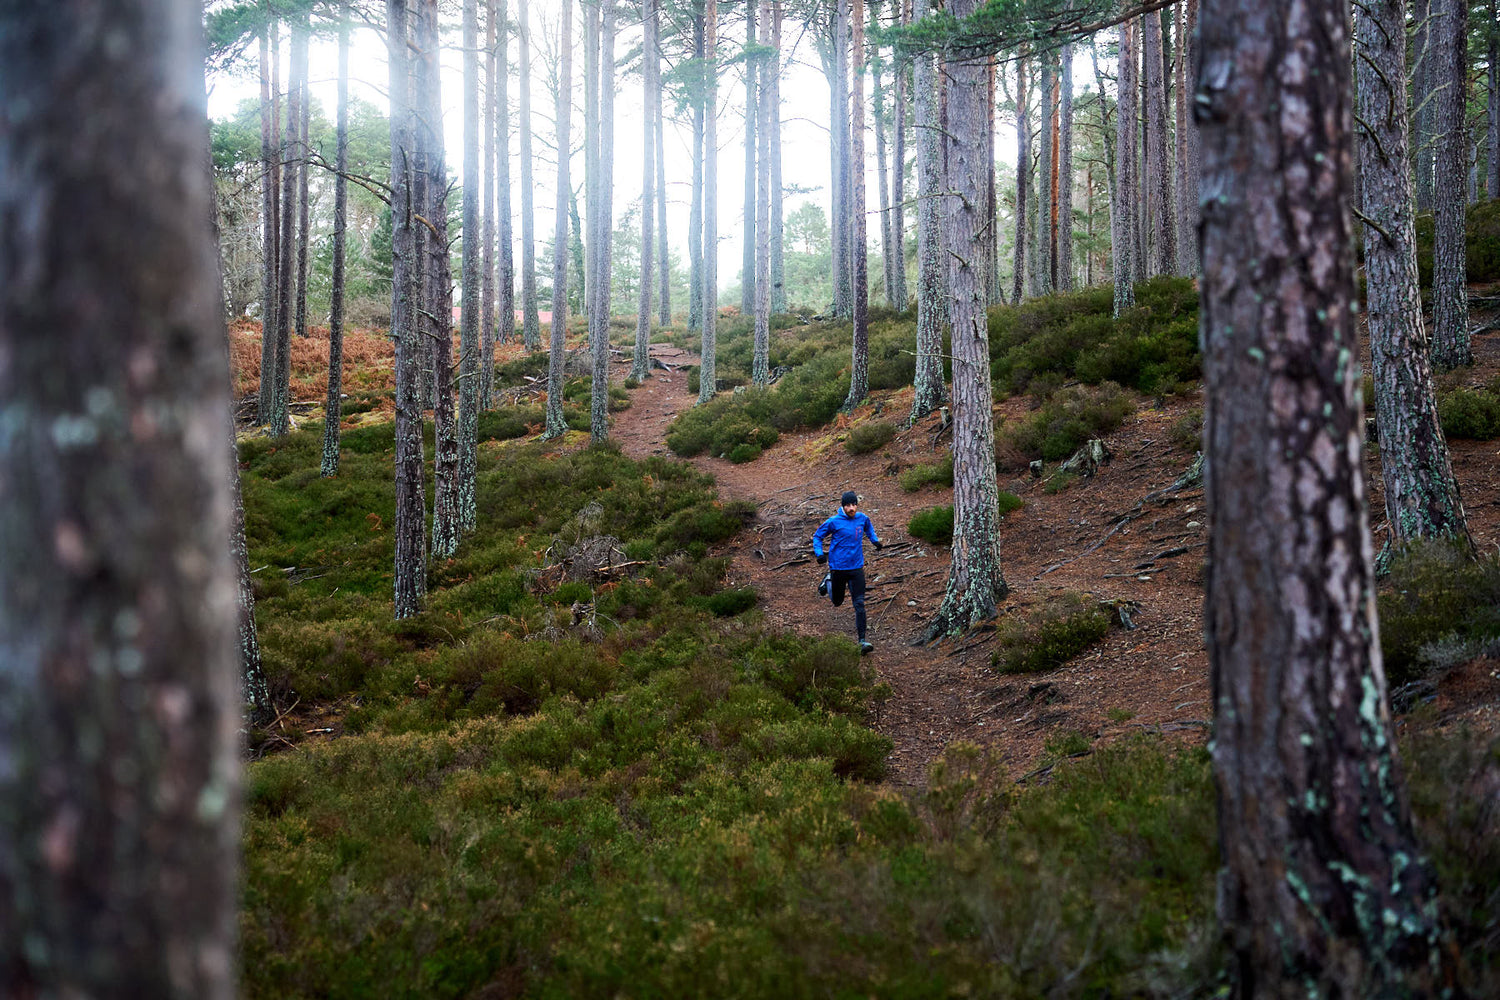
column 1152, row 676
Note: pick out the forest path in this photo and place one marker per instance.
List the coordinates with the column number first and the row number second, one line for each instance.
column 1153, row 677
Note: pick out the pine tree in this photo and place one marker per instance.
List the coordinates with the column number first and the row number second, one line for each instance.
column 707, row 367
column 467, row 472
column 1447, row 71
column 1122, row 218
column 750, row 214
column 975, row 583
column 651, row 103
column 280, row 422
column 119, row 700
column 859, row 370
column 1323, row 890
column 603, row 214
column 505, row 280
column 270, row 226
column 931, row 263
column 333, row 405
column 1187, row 146
column 487, row 264
column 1065, row 175
column 556, row 425
column 760, row 372
column 773, row 95
column 531, row 324
column 1023, row 177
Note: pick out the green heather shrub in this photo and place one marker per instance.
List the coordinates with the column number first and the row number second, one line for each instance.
column 1069, row 419
column 1186, row 431
column 1152, row 348
column 935, row 524
column 1470, row 413
column 1434, row 592
column 1481, row 240
column 1007, row 502
column 807, row 397
column 868, row 437
column 1059, row 481
column 1063, row 625
column 936, row 474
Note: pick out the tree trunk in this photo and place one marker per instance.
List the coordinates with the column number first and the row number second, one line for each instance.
column 707, row 368
column 333, row 405
column 843, row 207
column 991, row 204
column 531, row 324
column 1158, row 163
column 1492, row 132
column 898, row 167
column 1187, row 146
column 270, row 224
column 406, row 268
column 1023, row 175
column 663, row 261
column 486, row 360
column 1448, row 35
column 760, row 368
column 877, row 101
column 931, row 263
column 556, row 425
column 1323, row 892
column 748, row 296
column 859, row 371
column 604, row 226
column 773, row 96
column 1122, row 218
column 280, row 423
column 1425, row 55
column 640, row 367
column 1065, row 175
column 1046, row 190
column 505, row 297
column 119, row 695
column 304, row 210
column 695, row 213
column 437, row 305
column 975, row 584
column 589, row 231
column 474, row 245
column 1421, row 495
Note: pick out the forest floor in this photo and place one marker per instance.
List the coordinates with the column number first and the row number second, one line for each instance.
column 1100, row 537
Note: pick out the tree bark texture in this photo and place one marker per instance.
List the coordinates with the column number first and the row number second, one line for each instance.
column 304, row 208
column 505, row 279
column 1322, row 891
column 1023, row 177
column 556, row 425
column 410, row 587
column 590, row 228
column 859, row 278
column 898, row 166
column 1046, row 186
column 474, row 245
column 1187, row 144
column 1158, row 162
column 280, row 422
column 760, row 368
column 1492, row 104
column 531, row 324
column 270, row 226
column 333, row 404
column 707, row 366
column 119, row 689
column 604, row 214
column 843, row 206
column 1421, row 496
column 1065, row 175
column 751, row 213
column 695, row 211
column 975, row 584
column 437, row 282
column 487, row 144
column 640, row 367
column 877, row 106
column 932, row 306
column 663, row 261
column 1426, row 13
column 1122, row 219
column 1448, row 71
column 773, row 96
column 991, row 204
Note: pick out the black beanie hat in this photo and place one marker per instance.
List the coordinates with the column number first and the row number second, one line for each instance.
column 850, row 497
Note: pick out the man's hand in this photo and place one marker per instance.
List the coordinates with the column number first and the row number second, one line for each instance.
column 878, row 545
column 822, row 558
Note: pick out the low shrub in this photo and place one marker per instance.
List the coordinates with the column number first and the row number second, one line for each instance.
column 1435, row 592
column 1470, row 413
column 1068, row 420
column 935, row 525
column 1063, row 625
column 869, row 436
column 935, row 474
column 1186, row 431
column 1481, row 243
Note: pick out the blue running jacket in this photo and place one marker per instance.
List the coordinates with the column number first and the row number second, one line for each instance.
column 845, row 551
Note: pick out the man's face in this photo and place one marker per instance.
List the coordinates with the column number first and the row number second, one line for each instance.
column 850, row 508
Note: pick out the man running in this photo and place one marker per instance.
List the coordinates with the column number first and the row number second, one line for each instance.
column 846, row 558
